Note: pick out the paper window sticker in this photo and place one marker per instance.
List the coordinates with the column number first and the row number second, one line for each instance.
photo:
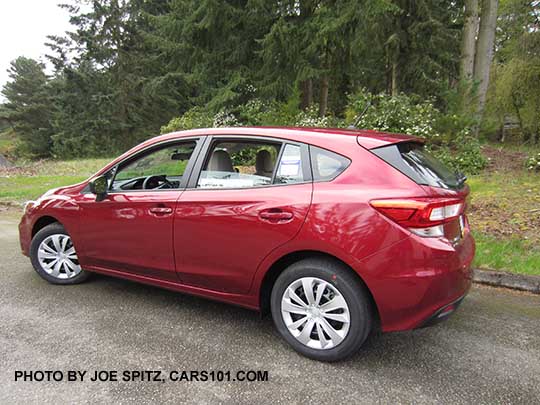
column 289, row 167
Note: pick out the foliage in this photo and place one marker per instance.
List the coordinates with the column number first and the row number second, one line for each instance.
column 533, row 162
column 448, row 135
column 128, row 67
column 194, row 118
column 399, row 114
column 28, row 107
column 516, row 78
column 466, row 158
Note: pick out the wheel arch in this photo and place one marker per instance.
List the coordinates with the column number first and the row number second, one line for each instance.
column 285, row 261
column 42, row 222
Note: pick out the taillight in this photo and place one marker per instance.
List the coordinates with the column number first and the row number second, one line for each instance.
column 426, row 217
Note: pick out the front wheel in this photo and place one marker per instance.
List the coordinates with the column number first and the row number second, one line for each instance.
column 321, row 309
column 54, row 257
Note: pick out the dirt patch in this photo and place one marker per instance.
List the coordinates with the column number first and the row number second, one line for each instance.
column 506, row 201
column 29, row 170
column 503, row 160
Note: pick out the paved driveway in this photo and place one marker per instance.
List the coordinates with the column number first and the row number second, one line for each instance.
column 489, row 352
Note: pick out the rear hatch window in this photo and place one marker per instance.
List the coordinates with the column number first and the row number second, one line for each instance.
column 415, row 162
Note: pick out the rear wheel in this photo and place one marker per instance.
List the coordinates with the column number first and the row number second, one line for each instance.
column 54, row 257
column 321, row 309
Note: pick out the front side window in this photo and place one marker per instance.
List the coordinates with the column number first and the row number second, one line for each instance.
column 239, row 164
column 161, row 168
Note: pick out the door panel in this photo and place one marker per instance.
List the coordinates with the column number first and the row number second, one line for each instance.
column 130, row 232
column 221, row 236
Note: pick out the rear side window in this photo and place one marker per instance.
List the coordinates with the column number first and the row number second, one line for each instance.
column 290, row 168
column 327, row 165
column 415, row 162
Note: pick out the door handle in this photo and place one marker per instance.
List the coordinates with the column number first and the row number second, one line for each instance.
column 276, row 215
column 160, row 210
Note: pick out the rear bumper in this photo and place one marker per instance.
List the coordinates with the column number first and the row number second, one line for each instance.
column 442, row 314
column 419, row 281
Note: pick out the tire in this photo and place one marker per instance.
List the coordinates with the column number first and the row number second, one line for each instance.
column 334, row 280
column 54, row 257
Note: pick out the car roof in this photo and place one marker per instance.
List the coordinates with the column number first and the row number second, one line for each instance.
column 369, row 139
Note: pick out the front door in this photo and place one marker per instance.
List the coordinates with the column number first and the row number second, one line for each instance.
column 131, row 230
column 240, row 207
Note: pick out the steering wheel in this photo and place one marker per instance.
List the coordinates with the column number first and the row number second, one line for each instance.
column 156, row 182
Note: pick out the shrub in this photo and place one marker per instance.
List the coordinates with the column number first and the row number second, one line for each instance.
column 258, row 112
column 463, row 155
column 399, row 114
column 195, row 118
column 533, row 162
column 448, row 135
column 310, row 118
column 224, row 119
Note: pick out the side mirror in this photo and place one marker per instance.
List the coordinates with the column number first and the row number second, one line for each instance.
column 99, row 186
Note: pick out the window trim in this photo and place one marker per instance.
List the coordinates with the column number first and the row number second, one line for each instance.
column 212, row 139
column 199, row 141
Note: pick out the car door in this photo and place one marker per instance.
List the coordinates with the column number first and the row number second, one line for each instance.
column 246, row 197
column 131, row 230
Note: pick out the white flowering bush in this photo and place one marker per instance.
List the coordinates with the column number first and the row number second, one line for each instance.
column 310, row 118
column 225, row 119
column 394, row 114
column 533, row 162
column 448, row 135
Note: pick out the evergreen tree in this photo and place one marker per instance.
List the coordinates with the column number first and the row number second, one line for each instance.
column 28, row 106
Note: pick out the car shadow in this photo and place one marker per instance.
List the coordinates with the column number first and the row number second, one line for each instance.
column 378, row 350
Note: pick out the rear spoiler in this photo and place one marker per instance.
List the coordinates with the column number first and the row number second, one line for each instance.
column 376, row 139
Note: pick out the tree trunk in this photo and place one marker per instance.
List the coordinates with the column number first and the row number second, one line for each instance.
column 307, row 94
column 394, row 84
column 484, row 53
column 323, row 96
column 468, row 48
column 468, row 42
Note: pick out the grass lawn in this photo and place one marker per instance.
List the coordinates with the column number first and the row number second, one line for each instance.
column 514, row 255
column 32, row 180
column 505, row 218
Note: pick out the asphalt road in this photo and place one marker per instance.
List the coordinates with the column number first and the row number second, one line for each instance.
column 489, row 352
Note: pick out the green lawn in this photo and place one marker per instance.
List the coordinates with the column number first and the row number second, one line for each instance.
column 505, row 218
column 32, row 180
column 514, row 255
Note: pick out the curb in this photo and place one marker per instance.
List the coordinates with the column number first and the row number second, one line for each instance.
column 508, row 280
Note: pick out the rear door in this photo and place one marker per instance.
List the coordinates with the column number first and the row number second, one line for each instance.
column 246, row 197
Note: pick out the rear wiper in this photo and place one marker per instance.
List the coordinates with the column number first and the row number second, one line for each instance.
column 461, row 178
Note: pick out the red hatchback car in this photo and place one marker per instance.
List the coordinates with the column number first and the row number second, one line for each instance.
column 336, row 232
